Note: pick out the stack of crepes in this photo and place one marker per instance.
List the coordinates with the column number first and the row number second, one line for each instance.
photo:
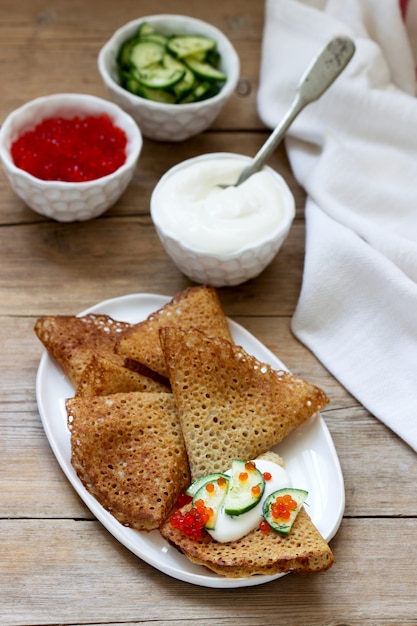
column 354, row 151
column 162, row 402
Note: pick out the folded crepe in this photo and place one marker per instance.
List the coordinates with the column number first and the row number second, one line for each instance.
column 303, row 551
column 129, row 453
column 229, row 404
column 72, row 341
column 196, row 307
column 103, row 376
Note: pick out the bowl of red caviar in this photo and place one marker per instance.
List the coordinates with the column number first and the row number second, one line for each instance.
column 172, row 73
column 69, row 156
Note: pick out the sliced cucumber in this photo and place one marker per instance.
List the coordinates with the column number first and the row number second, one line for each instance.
column 212, row 493
column 201, row 91
column 123, row 58
column 188, row 81
column 156, row 37
column 145, row 29
column 159, row 78
column 150, row 61
column 282, row 520
column 246, row 488
column 184, row 45
column 204, row 70
column 203, row 480
column 144, row 53
column 157, row 95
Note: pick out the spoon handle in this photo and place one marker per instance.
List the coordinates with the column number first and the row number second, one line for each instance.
column 324, row 69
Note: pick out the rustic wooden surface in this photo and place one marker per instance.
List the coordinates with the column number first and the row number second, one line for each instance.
column 58, row 565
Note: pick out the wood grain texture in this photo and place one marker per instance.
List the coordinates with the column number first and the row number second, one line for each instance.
column 58, row 565
column 73, row 572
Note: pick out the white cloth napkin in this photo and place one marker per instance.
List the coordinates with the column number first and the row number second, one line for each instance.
column 354, row 152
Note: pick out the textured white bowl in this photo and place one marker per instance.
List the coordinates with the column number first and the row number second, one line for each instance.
column 169, row 122
column 68, row 201
column 227, row 269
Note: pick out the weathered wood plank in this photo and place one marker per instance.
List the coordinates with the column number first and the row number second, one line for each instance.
column 50, row 268
column 75, row 573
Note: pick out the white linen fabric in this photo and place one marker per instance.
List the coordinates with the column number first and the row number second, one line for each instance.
column 354, row 151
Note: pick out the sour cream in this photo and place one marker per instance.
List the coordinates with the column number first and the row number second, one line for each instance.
column 230, row 528
column 190, row 205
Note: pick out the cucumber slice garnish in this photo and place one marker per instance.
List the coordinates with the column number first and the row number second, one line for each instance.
column 281, row 508
column 203, row 480
column 212, row 494
column 184, row 45
column 246, row 487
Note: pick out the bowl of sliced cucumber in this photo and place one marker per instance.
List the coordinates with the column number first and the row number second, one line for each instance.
column 172, row 73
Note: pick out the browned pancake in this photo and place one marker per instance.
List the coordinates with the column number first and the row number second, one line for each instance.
column 196, row 307
column 230, row 405
column 102, row 377
column 129, row 452
column 303, row 551
column 72, row 341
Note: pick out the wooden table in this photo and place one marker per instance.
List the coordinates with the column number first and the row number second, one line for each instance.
column 57, row 563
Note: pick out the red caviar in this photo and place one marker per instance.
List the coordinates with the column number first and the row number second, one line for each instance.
column 183, row 499
column 282, row 507
column 267, row 476
column 71, row 150
column 192, row 522
column 264, row 527
column 256, row 490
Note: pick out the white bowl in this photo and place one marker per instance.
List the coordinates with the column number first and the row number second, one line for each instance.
column 169, row 122
column 225, row 267
column 68, row 201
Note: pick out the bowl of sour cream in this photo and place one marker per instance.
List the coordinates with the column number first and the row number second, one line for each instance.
column 215, row 232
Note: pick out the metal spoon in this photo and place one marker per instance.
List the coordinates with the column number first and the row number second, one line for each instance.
column 318, row 77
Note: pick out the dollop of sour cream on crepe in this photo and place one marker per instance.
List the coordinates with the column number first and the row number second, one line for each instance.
column 231, row 528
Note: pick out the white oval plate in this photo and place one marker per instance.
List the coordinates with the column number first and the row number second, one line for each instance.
column 309, row 454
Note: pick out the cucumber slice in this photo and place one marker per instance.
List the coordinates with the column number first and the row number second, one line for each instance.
column 157, row 95
column 204, row 70
column 147, row 32
column 203, row 480
column 184, row 45
column 246, row 488
column 188, row 81
column 157, row 37
column 145, row 53
column 145, row 29
column 123, row 58
column 159, row 78
column 212, row 493
column 283, row 523
column 151, row 62
column 201, row 91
